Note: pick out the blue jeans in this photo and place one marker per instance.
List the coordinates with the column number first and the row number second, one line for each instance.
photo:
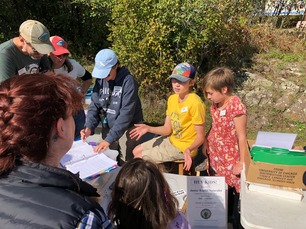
column 79, row 120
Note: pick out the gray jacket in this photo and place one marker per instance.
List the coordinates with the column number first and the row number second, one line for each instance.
column 117, row 100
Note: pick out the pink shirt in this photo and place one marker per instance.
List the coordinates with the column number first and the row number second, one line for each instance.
column 223, row 141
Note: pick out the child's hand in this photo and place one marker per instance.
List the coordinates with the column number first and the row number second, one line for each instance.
column 138, row 131
column 85, row 133
column 187, row 160
column 237, row 168
column 101, row 147
column 204, row 149
column 210, row 170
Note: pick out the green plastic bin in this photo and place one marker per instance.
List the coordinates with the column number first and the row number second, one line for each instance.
column 278, row 156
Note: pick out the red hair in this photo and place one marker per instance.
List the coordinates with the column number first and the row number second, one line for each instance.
column 30, row 106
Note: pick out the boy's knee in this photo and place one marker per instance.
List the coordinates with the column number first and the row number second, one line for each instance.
column 137, row 151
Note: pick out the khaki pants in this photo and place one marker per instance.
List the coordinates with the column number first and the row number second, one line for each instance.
column 160, row 150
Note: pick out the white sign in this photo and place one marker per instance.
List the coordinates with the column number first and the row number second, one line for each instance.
column 178, row 185
column 207, row 202
column 275, row 139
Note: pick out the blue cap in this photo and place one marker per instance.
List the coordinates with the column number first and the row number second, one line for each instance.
column 104, row 61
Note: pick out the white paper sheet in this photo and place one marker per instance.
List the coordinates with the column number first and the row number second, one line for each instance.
column 178, row 185
column 79, row 151
column 83, row 160
column 92, row 166
column 275, row 139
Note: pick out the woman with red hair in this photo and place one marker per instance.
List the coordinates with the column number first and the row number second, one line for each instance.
column 37, row 129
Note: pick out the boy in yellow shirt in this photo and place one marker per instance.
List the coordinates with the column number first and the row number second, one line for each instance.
column 183, row 131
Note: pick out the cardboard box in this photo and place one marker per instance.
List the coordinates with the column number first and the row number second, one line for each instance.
column 275, row 174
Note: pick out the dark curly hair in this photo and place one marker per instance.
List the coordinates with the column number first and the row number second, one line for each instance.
column 141, row 197
column 30, row 105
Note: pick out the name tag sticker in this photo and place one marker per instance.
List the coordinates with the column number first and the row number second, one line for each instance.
column 184, row 109
column 222, row 113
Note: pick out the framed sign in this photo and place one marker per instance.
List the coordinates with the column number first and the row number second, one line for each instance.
column 207, row 202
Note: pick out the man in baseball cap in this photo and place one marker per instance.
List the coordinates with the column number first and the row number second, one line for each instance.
column 37, row 35
column 27, row 52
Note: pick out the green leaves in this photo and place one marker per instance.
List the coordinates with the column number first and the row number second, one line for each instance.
column 151, row 36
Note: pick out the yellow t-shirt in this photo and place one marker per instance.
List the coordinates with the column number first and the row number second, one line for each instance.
column 183, row 117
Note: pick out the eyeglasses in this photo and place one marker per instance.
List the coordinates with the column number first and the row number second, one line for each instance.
column 33, row 49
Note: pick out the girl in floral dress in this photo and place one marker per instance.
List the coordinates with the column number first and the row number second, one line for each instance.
column 226, row 142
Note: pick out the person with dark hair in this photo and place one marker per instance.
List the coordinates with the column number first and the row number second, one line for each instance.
column 27, row 53
column 60, row 63
column 37, row 129
column 141, row 198
column 115, row 103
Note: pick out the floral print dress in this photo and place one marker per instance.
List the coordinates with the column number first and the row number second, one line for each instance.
column 222, row 140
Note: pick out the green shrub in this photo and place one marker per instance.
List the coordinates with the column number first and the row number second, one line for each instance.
column 151, row 37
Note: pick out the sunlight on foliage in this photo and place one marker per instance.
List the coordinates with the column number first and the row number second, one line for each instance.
column 151, row 37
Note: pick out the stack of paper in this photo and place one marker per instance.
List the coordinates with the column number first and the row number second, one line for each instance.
column 83, row 160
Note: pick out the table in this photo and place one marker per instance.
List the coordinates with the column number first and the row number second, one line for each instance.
column 103, row 184
column 260, row 210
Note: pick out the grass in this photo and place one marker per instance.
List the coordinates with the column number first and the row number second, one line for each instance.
column 286, row 57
